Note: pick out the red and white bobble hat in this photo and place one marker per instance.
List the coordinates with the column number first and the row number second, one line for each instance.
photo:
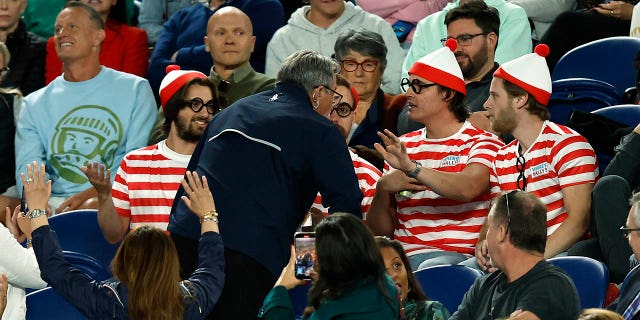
column 174, row 80
column 441, row 67
column 529, row 72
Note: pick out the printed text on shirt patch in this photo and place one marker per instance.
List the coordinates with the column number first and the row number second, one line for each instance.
column 449, row 161
column 539, row 170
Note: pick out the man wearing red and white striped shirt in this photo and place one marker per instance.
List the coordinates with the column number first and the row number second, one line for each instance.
column 436, row 198
column 552, row 161
column 343, row 116
column 148, row 178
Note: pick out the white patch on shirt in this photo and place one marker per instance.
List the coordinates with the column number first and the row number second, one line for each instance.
column 274, row 98
column 450, row 161
column 539, row 170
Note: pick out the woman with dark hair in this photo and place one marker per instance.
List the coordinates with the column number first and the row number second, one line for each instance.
column 147, row 281
column 351, row 282
column 124, row 48
column 415, row 303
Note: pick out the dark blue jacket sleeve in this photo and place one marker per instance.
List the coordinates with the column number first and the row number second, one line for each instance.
column 92, row 299
column 208, row 278
column 337, row 181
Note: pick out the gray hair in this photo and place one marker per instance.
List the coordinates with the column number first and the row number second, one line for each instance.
column 308, row 69
column 635, row 200
column 364, row 42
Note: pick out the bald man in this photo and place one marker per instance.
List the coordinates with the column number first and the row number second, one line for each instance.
column 230, row 41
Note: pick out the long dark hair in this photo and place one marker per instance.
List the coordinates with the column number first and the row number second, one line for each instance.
column 415, row 290
column 347, row 255
column 147, row 264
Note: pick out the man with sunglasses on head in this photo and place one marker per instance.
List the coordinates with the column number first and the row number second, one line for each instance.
column 148, row 178
column 436, row 198
column 549, row 160
column 525, row 285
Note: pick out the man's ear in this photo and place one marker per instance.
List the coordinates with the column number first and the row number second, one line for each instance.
column 492, row 39
column 206, row 44
column 253, row 43
column 502, row 233
column 521, row 101
column 100, row 34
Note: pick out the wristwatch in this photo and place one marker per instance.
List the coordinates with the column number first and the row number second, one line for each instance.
column 414, row 173
column 35, row 213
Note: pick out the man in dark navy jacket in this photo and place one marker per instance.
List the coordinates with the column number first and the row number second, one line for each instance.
column 265, row 159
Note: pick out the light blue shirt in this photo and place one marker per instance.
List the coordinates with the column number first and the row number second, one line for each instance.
column 66, row 124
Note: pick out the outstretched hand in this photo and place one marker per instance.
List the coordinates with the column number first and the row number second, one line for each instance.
column 394, row 151
column 199, row 198
column 99, row 177
column 37, row 188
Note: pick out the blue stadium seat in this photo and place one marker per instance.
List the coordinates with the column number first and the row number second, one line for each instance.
column 609, row 60
column 628, row 114
column 88, row 265
column 579, row 94
column 47, row 304
column 78, row 231
column 590, row 276
column 447, row 283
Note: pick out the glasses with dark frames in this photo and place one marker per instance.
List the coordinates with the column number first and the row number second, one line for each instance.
column 343, row 109
column 463, row 39
column 197, row 104
column 522, row 178
column 626, row 231
column 415, row 85
column 336, row 96
column 352, row 65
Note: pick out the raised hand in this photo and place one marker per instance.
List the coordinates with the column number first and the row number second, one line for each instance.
column 98, row 177
column 198, row 199
column 394, row 151
column 37, row 188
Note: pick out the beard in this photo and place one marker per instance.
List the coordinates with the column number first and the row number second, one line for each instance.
column 505, row 120
column 475, row 63
column 187, row 130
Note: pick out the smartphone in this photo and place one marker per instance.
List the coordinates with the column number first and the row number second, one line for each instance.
column 23, row 203
column 305, row 247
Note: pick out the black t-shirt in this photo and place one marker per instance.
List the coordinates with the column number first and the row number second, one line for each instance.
column 545, row 290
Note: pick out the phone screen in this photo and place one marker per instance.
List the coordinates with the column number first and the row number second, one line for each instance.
column 305, row 245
